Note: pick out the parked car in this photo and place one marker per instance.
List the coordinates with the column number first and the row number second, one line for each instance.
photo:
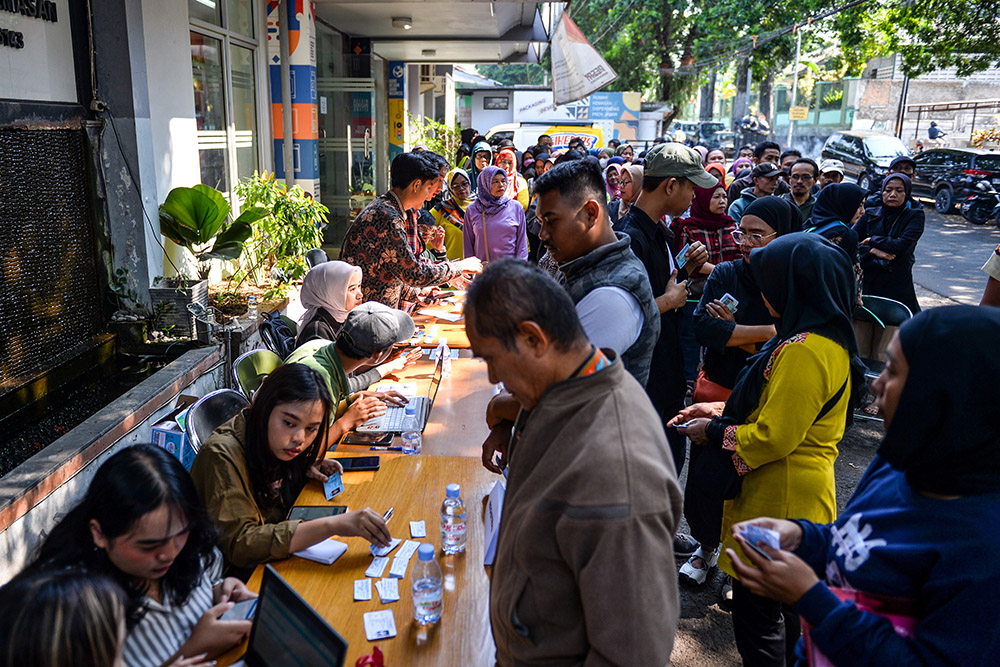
column 949, row 175
column 707, row 133
column 866, row 155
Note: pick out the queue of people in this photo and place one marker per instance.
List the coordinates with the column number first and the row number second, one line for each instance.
column 681, row 309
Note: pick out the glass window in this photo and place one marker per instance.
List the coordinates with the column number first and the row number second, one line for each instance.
column 957, row 160
column 244, row 111
column 209, row 109
column 205, row 10
column 930, row 159
column 988, row 163
column 240, row 17
column 885, row 147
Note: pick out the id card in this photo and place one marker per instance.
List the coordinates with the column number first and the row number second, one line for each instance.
column 682, row 256
column 754, row 534
column 730, row 302
column 333, row 485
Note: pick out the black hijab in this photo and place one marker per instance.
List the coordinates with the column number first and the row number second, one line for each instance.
column 811, row 283
column 831, row 217
column 945, row 434
column 778, row 213
column 886, row 218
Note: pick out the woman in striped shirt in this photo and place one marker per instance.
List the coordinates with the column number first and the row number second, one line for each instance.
column 142, row 524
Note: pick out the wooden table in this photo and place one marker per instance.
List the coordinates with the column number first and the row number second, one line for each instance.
column 415, row 487
column 435, row 328
column 457, row 425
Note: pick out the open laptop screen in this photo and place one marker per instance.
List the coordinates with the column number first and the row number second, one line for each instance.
column 288, row 632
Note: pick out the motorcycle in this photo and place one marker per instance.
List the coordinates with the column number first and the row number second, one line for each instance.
column 983, row 205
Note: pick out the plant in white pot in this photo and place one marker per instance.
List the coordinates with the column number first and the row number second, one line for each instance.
column 198, row 220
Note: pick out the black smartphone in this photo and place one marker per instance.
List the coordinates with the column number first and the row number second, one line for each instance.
column 757, row 549
column 355, row 438
column 310, row 512
column 359, row 463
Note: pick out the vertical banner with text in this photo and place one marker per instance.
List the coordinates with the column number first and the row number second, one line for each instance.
column 305, row 113
column 397, row 108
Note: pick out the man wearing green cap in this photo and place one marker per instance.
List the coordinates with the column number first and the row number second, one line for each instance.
column 670, row 175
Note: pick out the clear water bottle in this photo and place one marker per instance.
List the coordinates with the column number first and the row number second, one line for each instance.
column 445, row 356
column 453, row 521
column 252, row 308
column 428, row 597
column 412, row 438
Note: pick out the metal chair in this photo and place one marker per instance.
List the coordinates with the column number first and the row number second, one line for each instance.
column 210, row 412
column 316, row 256
column 875, row 323
column 250, row 369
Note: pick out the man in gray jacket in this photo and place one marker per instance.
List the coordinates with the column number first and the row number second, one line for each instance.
column 583, row 570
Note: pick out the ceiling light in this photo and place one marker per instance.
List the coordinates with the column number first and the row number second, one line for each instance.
column 430, row 53
column 402, row 22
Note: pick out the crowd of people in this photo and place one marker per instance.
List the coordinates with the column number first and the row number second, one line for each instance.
column 640, row 310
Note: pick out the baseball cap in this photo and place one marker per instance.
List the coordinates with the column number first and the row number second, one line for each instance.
column 831, row 165
column 901, row 160
column 677, row 161
column 765, row 170
column 373, row 327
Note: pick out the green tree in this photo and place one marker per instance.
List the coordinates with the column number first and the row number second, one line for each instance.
column 526, row 74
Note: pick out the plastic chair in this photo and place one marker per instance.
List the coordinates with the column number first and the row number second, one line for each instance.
column 316, row 256
column 250, row 369
column 875, row 323
column 210, row 412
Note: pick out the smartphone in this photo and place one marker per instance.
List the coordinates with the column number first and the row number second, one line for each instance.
column 757, row 549
column 355, row 438
column 310, row 512
column 241, row 611
column 360, row 463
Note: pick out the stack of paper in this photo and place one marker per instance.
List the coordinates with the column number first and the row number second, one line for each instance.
column 325, row 552
column 388, row 589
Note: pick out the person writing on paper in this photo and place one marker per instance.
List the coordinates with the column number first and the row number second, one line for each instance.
column 329, row 292
column 142, row 524
column 252, row 468
column 559, row 591
column 494, row 224
column 367, row 336
column 920, row 535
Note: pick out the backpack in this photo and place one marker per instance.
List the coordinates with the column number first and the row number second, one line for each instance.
column 277, row 335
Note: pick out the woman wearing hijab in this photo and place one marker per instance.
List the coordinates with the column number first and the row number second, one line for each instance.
column 482, row 157
column 329, row 292
column 494, row 224
column 770, row 447
column 629, row 187
column 889, row 235
column 612, row 181
column 703, row 152
column 729, row 337
column 920, row 536
column 450, row 213
column 838, row 206
column 517, row 187
column 625, row 152
column 463, row 156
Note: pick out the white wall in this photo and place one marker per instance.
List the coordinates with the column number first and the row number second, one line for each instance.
column 483, row 119
column 42, row 69
column 172, row 125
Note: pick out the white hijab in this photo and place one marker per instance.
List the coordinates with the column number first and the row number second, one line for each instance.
column 325, row 286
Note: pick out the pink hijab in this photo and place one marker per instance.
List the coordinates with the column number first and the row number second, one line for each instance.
column 325, row 286
column 613, row 192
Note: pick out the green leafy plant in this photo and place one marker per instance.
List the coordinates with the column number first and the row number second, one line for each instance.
column 291, row 226
column 438, row 137
column 198, row 220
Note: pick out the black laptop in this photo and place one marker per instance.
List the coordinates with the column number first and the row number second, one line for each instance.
column 287, row 632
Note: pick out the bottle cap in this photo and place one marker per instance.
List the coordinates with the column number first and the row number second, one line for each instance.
column 425, row 552
column 452, row 490
column 442, row 341
column 410, row 410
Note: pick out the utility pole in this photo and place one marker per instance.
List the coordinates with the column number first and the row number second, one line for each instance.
column 287, row 149
column 795, row 82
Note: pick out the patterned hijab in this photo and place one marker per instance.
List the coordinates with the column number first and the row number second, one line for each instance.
column 486, row 202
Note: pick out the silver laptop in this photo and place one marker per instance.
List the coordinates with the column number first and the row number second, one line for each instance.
column 392, row 420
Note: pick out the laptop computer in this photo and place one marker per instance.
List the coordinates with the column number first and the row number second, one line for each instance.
column 392, row 420
column 286, row 631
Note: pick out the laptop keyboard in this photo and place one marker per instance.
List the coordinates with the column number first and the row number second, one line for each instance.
column 392, row 420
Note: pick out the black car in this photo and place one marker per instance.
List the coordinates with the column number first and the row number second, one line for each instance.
column 866, row 155
column 949, row 175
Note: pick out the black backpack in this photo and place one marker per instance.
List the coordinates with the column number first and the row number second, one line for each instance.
column 277, row 335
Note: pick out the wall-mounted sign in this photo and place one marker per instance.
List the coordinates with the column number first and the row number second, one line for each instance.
column 798, row 113
column 499, row 103
column 36, row 51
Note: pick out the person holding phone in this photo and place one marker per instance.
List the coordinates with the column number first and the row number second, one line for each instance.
column 253, row 467
column 920, row 535
column 142, row 525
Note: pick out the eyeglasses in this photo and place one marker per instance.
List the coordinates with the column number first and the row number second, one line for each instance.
column 800, row 177
column 755, row 240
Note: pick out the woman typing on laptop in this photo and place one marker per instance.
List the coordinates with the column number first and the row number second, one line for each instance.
column 253, row 467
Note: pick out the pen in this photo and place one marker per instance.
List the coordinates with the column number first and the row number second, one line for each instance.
column 388, row 514
column 386, row 448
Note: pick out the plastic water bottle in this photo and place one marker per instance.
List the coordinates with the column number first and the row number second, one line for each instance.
column 252, row 308
column 428, row 598
column 445, row 356
column 412, row 438
column 453, row 521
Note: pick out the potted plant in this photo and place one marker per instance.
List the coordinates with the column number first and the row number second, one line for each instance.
column 198, row 220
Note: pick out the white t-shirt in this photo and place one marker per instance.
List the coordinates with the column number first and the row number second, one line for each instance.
column 991, row 267
column 165, row 628
column 611, row 317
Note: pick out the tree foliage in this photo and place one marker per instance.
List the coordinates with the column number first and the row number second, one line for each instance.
column 527, row 74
